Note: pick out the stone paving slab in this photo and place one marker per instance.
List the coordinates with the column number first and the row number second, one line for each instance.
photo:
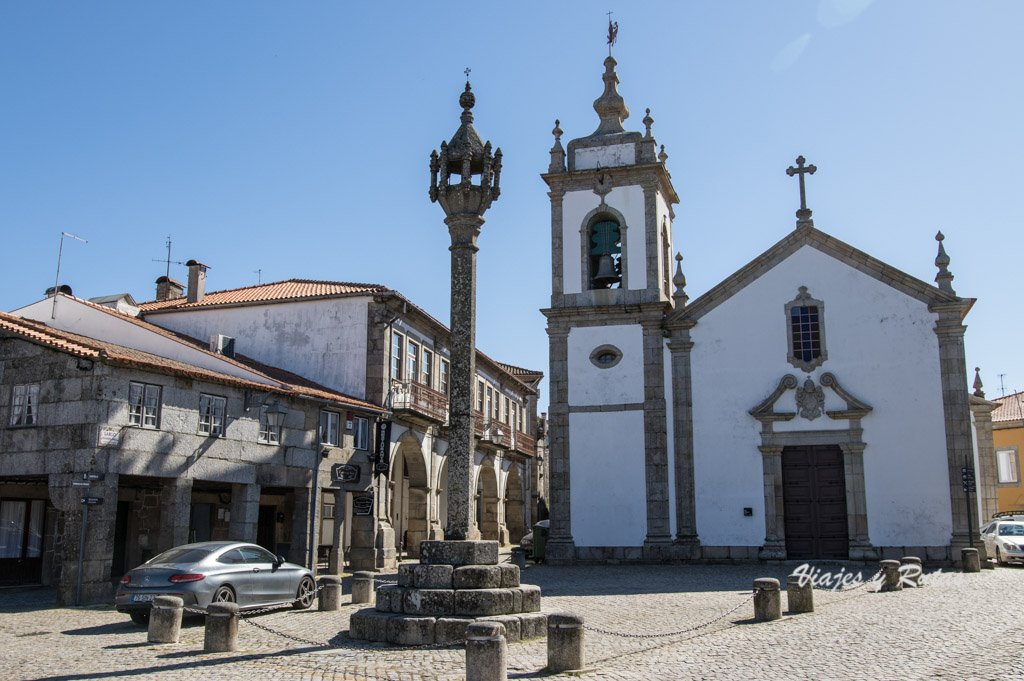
column 967, row 627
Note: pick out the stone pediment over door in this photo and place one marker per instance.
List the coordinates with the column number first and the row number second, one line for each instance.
column 809, row 403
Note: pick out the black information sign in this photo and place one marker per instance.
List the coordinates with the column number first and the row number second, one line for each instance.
column 343, row 472
column 968, row 478
column 382, row 448
column 92, row 501
column 362, row 506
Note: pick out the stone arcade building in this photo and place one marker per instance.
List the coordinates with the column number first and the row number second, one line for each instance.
column 177, row 437
column 812, row 405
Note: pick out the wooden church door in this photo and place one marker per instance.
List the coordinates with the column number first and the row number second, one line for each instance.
column 814, row 502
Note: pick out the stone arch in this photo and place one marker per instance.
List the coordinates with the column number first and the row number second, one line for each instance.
column 514, row 504
column 602, row 212
column 487, row 502
column 409, row 494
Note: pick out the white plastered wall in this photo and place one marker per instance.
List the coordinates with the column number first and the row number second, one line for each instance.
column 606, row 474
column 882, row 349
column 320, row 339
column 620, row 384
column 575, row 206
column 606, row 156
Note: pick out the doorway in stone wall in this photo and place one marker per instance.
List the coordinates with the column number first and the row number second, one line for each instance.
column 814, row 502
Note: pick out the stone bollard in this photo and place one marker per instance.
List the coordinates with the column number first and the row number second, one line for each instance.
column 890, row 575
column 165, row 619
column 799, row 594
column 911, row 571
column 971, row 559
column 362, row 587
column 565, row 642
column 767, row 599
column 486, row 652
column 329, row 598
column 221, row 628
column 519, row 558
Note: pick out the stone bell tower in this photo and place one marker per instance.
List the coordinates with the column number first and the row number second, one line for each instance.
column 611, row 285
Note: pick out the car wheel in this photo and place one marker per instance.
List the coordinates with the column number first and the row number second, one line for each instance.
column 140, row 618
column 224, row 594
column 306, row 594
column 999, row 557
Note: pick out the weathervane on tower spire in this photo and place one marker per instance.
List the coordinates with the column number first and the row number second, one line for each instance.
column 613, row 32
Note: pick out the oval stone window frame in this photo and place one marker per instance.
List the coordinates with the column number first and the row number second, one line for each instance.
column 603, row 350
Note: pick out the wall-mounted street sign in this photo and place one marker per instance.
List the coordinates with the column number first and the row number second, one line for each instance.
column 93, row 476
column 362, row 505
column 382, row 449
column 108, row 436
column 343, row 472
column 92, row 501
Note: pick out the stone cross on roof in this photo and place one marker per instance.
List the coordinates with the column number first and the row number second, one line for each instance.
column 803, row 214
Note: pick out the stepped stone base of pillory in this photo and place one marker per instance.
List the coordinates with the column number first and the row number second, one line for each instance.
column 455, row 584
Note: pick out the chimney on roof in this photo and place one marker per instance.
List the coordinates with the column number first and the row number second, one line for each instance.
column 64, row 288
column 196, row 281
column 168, row 289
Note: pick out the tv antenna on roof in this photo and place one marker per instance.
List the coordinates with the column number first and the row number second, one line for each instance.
column 168, row 259
column 1002, row 389
column 259, row 276
column 56, row 282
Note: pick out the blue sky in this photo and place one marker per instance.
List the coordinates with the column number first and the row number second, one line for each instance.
column 294, row 138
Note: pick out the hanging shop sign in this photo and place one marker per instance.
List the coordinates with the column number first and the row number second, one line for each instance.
column 382, row 449
column 343, row 472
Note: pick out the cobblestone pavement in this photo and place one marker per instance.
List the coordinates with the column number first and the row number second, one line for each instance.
column 964, row 627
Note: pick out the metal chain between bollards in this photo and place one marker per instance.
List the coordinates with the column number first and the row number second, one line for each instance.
column 673, row 633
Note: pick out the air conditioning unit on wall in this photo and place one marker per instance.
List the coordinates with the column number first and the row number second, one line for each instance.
column 222, row 345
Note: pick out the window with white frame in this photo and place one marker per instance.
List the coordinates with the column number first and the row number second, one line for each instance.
column 505, row 403
column 480, row 397
column 443, row 377
column 362, row 433
column 428, row 368
column 24, row 405
column 143, row 405
column 515, row 417
column 330, row 428
column 1008, row 466
column 412, row 361
column 396, row 355
column 211, row 415
column 268, row 433
column 490, row 402
column 496, row 408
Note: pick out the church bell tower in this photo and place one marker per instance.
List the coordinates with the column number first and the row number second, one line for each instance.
column 611, row 286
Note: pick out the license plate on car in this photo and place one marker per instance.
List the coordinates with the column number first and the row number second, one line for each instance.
column 139, row 598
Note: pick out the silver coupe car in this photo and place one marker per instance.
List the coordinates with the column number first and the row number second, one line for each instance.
column 215, row 572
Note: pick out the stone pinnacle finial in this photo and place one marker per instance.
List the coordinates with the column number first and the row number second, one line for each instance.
column 557, row 164
column 679, row 281
column 662, row 156
column 978, row 392
column 944, row 278
column 610, row 106
column 648, row 122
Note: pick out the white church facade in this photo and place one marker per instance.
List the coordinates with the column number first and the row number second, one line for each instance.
column 814, row 405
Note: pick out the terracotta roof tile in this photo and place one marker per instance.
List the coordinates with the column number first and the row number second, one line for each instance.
column 281, row 290
column 83, row 346
column 1011, row 408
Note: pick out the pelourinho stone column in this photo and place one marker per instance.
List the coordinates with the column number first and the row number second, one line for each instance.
column 464, row 204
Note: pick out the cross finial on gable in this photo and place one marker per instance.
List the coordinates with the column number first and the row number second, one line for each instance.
column 803, row 215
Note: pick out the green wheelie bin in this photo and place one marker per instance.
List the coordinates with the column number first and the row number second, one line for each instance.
column 540, row 539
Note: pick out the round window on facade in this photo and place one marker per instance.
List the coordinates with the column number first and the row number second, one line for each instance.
column 605, row 356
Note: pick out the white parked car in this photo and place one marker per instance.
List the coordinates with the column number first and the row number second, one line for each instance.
column 1004, row 539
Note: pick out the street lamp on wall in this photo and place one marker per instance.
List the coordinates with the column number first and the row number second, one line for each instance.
column 275, row 414
column 496, row 435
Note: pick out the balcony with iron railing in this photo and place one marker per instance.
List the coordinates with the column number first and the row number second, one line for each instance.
column 418, row 399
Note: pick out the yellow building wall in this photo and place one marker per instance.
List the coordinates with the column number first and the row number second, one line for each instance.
column 1011, row 497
